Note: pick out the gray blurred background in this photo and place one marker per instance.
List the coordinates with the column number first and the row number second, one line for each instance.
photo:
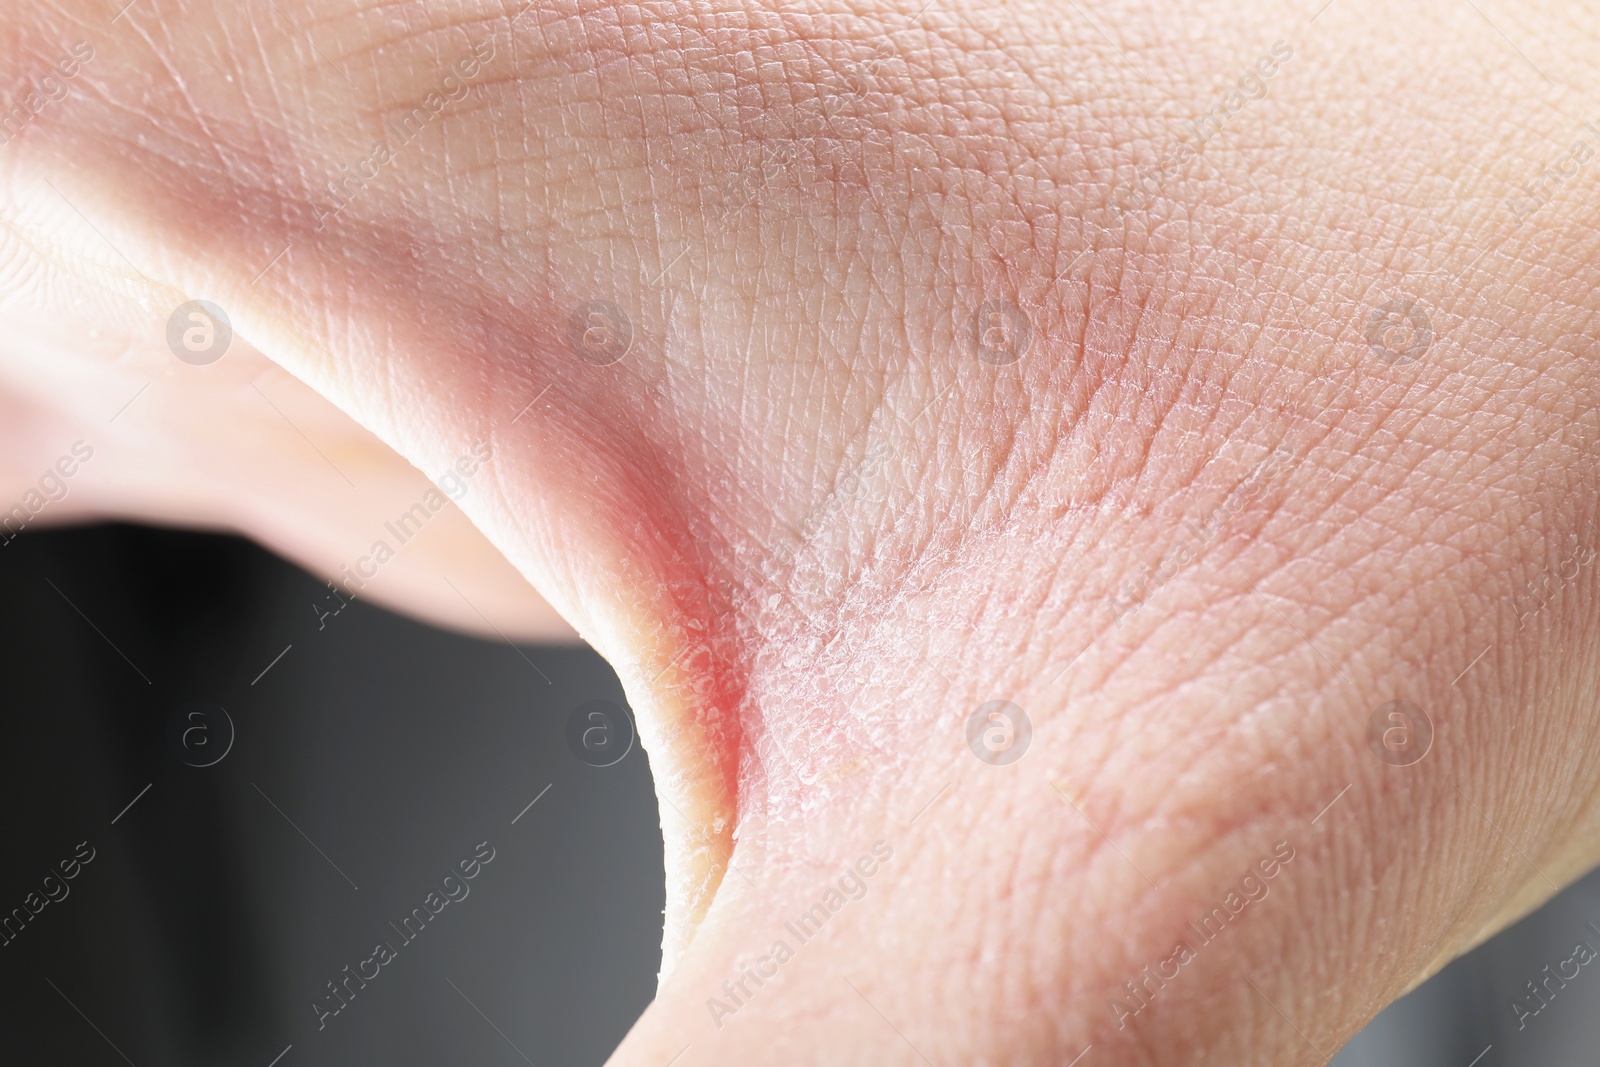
column 369, row 756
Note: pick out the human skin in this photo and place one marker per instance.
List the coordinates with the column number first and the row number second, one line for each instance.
column 1199, row 531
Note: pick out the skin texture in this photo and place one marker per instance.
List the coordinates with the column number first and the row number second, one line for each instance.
column 1199, row 531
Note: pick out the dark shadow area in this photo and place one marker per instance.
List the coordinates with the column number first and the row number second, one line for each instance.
column 220, row 914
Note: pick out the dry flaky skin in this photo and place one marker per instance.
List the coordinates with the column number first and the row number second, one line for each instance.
column 1199, row 531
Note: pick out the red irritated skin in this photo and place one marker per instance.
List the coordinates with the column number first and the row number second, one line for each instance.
column 1083, row 595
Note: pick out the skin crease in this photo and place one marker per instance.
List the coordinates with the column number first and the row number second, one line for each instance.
column 814, row 531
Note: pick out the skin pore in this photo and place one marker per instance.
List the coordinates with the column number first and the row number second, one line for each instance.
column 1300, row 415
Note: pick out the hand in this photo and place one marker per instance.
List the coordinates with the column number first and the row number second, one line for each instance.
column 847, row 369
